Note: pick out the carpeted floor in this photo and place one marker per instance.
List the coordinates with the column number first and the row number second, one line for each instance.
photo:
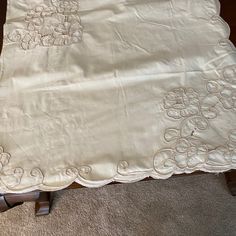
column 188, row 206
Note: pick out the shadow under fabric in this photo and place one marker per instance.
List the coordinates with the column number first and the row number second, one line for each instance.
column 3, row 9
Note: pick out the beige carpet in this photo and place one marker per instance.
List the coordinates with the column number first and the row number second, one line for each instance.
column 188, row 206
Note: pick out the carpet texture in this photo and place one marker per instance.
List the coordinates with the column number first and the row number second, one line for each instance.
column 192, row 205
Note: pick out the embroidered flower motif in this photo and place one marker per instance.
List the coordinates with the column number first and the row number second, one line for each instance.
column 181, row 102
column 188, row 150
column 55, row 24
column 189, row 153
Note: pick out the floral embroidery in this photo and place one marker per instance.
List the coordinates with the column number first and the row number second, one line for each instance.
column 181, row 102
column 187, row 149
column 56, row 23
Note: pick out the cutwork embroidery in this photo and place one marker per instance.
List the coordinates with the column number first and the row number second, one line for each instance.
column 187, row 149
column 56, row 23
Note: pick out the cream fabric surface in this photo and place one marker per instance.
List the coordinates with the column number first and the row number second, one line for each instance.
column 114, row 90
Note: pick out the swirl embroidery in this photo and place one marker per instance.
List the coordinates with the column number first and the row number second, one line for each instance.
column 12, row 178
column 56, row 23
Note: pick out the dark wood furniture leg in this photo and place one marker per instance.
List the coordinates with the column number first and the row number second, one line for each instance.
column 42, row 201
column 43, row 204
column 231, row 181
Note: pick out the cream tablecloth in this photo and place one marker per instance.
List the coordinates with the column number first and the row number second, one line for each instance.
column 95, row 91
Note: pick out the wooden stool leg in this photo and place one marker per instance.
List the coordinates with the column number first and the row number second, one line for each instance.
column 231, row 181
column 43, row 204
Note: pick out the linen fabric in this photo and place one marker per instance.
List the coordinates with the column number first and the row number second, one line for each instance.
column 116, row 90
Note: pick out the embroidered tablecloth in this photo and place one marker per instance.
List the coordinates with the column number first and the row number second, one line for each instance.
column 115, row 90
